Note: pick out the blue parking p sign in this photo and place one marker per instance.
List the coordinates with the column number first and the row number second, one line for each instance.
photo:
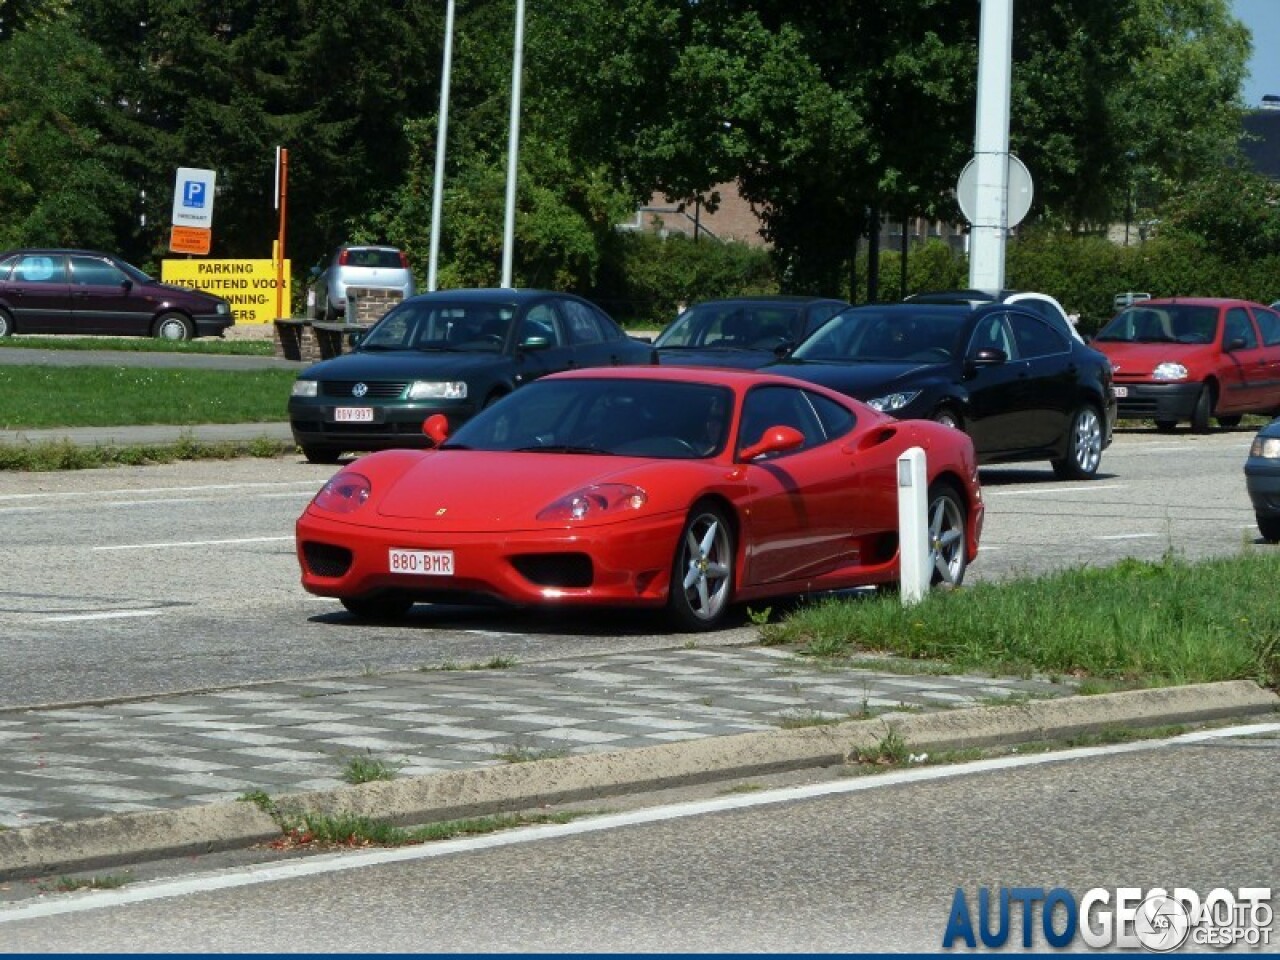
column 193, row 198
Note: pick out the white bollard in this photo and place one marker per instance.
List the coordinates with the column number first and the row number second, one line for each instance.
column 913, row 527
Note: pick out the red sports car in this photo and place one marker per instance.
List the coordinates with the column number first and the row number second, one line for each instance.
column 689, row 488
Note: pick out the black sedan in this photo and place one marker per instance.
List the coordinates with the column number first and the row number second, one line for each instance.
column 1020, row 387
column 451, row 352
column 1262, row 479
column 742, row 332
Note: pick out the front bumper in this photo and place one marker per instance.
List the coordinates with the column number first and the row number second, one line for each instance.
column 1157, row 401
column 213, row 324
column 314, row 423
column 1262, row 480
column 621, row 564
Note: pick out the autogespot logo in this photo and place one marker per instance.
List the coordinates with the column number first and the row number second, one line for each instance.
column 1157, row 920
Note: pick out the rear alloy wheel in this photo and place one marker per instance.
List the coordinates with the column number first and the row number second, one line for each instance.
column 321, row 454
column 6, row 324
column 1084, row 447
column 702, row 571
column 1228, row 422
column 1203, row 410
column 173, row 326
column 1269, row 527
column 948, row 559
column 382, row 606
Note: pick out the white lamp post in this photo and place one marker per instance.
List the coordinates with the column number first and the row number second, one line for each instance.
column 513, row 148
column 437, row 188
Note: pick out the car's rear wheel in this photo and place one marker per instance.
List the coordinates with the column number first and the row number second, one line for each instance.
column 316, row 454
column 6, row 324
column 173, row 326
column 1084, row 447
column 381, row 606
column 1228, row 422
column 948, row 418
column 1269, row 527
column 702, row 571
column 948, row 558
column 1203, row 410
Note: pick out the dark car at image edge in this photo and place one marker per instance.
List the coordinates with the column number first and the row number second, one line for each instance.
column 87, row 292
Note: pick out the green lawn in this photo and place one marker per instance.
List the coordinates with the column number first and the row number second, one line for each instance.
column 36, row 397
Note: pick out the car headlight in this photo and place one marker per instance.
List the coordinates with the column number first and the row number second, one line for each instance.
column 593, row 502
column 1169, row 371
column 222, row 308
column 893, row 401
column 305, row 388
column 438, row 390
column 344, row 493
column 1266, row 447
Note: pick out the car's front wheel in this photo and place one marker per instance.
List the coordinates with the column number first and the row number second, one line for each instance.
column 1084, row 447
column 381, row 606
column 1269, row 527
column 702, row 571
column 173, row 326
column 316, row 454
column 1203, row 410
column 948, row 558
column 6, row 324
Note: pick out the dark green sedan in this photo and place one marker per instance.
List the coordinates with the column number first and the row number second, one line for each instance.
column 451, row 352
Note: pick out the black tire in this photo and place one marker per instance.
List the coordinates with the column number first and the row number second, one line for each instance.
column 1269, row 527
column 6, row 324
column 1228, row 423
column 329, row 314
column 948, row 417
column 948, row 553
column 1084, row 447
column 702, row 571
column 173, row 326
column 1166, row 426
column 321, row 454
column 381, row 606
column 1203, row 411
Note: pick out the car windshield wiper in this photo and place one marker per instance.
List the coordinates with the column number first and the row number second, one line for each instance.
column 563, row 448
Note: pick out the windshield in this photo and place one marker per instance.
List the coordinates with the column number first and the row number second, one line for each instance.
column 732, row 326
column 636, row 418
column 1172, row 323
column 468, row 327
column 894, row 334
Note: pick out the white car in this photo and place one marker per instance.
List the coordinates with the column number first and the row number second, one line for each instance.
column 360, row 265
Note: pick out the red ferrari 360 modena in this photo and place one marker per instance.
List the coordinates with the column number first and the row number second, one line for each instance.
column 686, row 488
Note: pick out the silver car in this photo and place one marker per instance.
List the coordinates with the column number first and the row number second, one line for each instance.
column 360, row 265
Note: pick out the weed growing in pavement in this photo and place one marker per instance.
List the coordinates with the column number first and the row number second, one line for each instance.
column 497, row 662
column 65, row 455
column 741, row 788
column 759, row 617
column 889, row 750
column 1135, row 623
column 523, row 753
column 366, row 769
column 110, row 881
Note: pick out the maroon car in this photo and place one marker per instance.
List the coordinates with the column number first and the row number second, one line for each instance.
column 86, row 292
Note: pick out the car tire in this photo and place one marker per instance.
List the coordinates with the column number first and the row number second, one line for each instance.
column 174, row 327
column 1228, row 423
column 316, row 454
column 1084, row 447
column 329, row 315
column 380, row 606
column 948, row 418
column 1269, row 527
column 1203, row 410
column 6, row 324
column 702, row 570
column 948, row 554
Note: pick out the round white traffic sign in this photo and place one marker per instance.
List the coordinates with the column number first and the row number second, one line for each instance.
column 1020, row 191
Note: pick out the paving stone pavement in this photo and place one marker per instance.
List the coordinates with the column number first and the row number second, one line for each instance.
column 173, row 751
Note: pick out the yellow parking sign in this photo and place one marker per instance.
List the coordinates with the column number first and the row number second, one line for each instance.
column 250, row 285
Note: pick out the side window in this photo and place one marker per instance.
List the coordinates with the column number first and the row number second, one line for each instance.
column 40, row 268
column 1238, row 327
column 992, row 332
column 836, row 420
column 582, row 322
column 766, row 407
column 608, row 327
column 89, row 271
column 542, row 321
column 6, row 267
column 1268, row 324
column 818, row 316
column 1035, row 338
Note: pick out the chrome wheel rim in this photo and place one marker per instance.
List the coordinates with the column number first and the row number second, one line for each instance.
column 1088, row 441
column 172, row 330
column 946, row 541
column 707, row 566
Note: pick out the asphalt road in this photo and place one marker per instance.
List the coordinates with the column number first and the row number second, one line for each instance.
column 132, row 581
column 875, row 867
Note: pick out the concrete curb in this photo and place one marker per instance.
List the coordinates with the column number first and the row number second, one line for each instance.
column 134, row 838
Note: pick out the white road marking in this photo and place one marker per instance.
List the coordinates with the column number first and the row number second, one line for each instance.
column 1041, row 491
column 191, row 543
column 1128, row 536
column 103, row 615
column 145, row 490
column 337, row 863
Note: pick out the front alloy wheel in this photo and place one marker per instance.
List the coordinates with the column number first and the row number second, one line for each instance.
column 947, row 557
column 701, row 575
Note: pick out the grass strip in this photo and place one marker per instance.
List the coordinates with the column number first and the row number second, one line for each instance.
column 65, row 455
column 1134, row 623
column 41, row 397
column 239, row 348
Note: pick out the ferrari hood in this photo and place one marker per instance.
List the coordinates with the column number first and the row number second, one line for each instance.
column 476, row 490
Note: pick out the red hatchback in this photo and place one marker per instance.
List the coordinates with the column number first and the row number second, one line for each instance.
column 1192, row 359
